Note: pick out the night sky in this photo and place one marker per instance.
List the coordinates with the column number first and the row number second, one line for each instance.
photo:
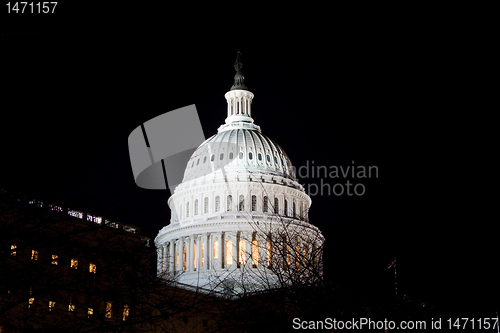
column 329, row 93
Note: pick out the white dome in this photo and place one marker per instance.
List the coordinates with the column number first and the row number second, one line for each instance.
column 239, row 149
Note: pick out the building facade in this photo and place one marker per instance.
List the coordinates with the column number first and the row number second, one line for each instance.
column 239, row 218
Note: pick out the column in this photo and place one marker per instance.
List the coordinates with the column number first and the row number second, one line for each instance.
column 172, row 257
column 198, row 252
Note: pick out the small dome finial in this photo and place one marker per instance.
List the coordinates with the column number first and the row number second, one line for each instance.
column 239, row 78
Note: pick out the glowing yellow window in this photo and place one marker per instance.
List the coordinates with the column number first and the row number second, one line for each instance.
column 268, row 253
column 52, row 304
column 255, row 252
column 71, row 307
column 202, row 254
column 184, row 258
column 34, row 255
column 30, row 301
column 13, row 247
column 108, row 309
column 194, row 256
column 241, row 253
column 90, row 311
column 54, row 259
column 74, row 263
column 92, row 268
column 177, row 257
column 126, row 311
column 229, row 252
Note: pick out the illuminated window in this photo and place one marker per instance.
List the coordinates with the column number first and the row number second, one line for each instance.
column 52, row 304
column 109, row 307
column 34, row 255
column 202, row 254
column 205, row 203
column 216, row 249
column 229, row 203
column 194, row 256
column 74, row 263
column 297, row 257
column 92, row 268
column 184, row 257
column 265, row 205
column 229, row 252
column 241, row 253
column 30, row 301
column 90, row 312
column 217, row 203
column 254, row 203
column 255, row 252
column 268, row 247
column 177, row 257
column 241, row 204
column 288, row 254
column 13, row 247
column 126, row 312
column 71, row 307
column 196, row 207
column 54, row 259
column 276, row 206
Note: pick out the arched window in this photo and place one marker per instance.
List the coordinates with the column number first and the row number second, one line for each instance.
column 196, row 207
column 205, row 209
column 198, row 162
column 250, row 156
column 212, row 158
column 265, row 205
column 231, row 155
column 276, row 160
column 254, row 203
column 241, row 203
column 285, row 209
column 217, row 203
column 259, row 156
column 221, row 156
column 229, row 203
column 242, row 252
column 268, row 158
column 187, row 209
column 241, row 155
column 204, row 159
column 229, row 252
column 255, row 252
column 276, row 206
column 216, row 249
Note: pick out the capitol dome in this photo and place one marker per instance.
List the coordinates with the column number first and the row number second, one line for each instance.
column 239, row 217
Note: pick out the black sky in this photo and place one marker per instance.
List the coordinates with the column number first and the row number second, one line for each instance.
column 331, row 93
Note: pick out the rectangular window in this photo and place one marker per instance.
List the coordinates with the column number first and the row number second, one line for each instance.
column 74, row 263
column 177, row 257
column 71, row 307
column 109, row 308
column 254, row 203
column 30, row 301
column 229, row 252
column 268, row 246
column 34, row 255
column 216, row 250
column 255, row 252
column 184, row 258
column 126, row 312
column 92, row 268
column 194, row 256
column 265, row 205
column 297, row 257
column 12, row 250
column 242, row 254
column 202, row 254
column 54, row 259
column 90, row 312
column 52, row 304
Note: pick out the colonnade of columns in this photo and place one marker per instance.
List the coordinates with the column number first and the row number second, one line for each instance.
column 222, row 250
